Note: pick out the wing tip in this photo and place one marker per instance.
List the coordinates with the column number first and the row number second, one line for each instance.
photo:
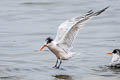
column 91, row 12
column 102, row 10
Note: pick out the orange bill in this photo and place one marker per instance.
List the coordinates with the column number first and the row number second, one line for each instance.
column 109, row 53
column 43, row 47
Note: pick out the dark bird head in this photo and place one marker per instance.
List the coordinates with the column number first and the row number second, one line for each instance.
column 116, row 51
column 49, row 40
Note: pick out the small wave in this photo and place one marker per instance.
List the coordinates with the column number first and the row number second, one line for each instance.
column 9, row 78
column 39, row 34
column 38, row 3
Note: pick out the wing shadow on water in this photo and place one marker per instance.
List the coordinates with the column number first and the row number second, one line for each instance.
column 62, row 77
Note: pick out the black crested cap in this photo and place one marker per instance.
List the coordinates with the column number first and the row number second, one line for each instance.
column 116, row 50
column 49, row 40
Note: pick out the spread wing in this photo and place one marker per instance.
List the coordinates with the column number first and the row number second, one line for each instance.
column 65, row 26
column 68, row 30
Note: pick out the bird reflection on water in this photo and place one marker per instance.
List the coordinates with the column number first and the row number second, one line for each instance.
column 62, row 77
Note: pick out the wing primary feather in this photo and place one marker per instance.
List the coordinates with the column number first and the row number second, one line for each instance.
column 92, row 14
column 90, row 11
column 99, row 12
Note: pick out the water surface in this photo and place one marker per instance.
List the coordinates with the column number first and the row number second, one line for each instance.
column 24, row 25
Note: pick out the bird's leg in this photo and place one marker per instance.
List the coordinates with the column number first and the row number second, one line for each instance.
column 59, row 64
column 56, row 64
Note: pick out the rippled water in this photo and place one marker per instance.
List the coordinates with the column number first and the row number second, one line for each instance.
column 24, row 25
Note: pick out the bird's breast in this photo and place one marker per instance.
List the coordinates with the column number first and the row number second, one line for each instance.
column 55, row 49
column 58, row 52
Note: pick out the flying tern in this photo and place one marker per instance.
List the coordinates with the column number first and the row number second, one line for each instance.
column 67, row 31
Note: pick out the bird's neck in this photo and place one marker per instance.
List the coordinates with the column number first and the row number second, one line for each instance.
column 115, row 57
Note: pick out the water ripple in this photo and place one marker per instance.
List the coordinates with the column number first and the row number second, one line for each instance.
column 39, row 3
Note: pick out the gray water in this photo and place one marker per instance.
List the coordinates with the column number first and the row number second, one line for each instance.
column 25, row 24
